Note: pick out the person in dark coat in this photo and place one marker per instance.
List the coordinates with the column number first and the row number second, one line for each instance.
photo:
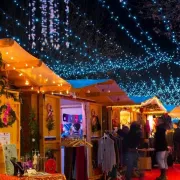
column 161, row 148
column 176, row 140
column 132, row 141
column 123, row 134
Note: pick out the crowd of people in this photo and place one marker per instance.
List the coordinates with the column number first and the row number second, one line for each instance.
column 132, row 138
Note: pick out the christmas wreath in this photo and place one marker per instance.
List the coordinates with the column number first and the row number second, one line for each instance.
column 7, row 116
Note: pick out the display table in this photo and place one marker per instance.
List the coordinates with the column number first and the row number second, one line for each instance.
column 43, row 177
column 145, row 162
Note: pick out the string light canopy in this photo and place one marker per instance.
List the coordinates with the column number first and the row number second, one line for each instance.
column 82, row 60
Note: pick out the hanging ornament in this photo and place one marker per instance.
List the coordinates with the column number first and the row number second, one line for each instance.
column 67, row 22
column 32, row 24
column 44, row 22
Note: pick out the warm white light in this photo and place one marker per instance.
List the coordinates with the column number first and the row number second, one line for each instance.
column 88, row 91
column 32, row 67
column 54, row 82
column 46, row 80
column 40, row 75
column 52, row 93
column 60, row 93
column 42, row 91
column 27, row 82
column 8, row 65
column 12, row 58
column 7, row 53
column 32, row 88
column 14, row 68
column 67, row 92
column 26, row 65
column 109, row 91
column 61, row 84
column 20, row 74
column 38, row 92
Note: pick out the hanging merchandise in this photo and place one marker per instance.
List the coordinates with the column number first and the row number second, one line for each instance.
column 50, row 121
column 106, row 154
column 95, row 123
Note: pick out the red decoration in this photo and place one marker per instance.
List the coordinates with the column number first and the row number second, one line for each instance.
column 50, row 166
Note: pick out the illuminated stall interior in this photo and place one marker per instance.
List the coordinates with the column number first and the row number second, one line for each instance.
column 27, row 72
column 36, row 84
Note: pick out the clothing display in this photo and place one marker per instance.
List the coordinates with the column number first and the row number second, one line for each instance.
column 75, row 163
column 9, row 151
column 106, row 153
column 50, row 166
column 81, row 163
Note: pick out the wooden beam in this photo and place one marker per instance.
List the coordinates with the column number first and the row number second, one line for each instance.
column 6, row 42
column 107, row 96
column 96, row 94
column 17, row 66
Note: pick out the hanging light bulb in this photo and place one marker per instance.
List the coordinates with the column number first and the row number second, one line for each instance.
column 27, row 83
column 32, row 88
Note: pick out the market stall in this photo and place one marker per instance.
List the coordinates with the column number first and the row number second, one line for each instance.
column 33, row 79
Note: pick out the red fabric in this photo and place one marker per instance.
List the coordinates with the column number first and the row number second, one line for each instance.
column 173, row 173
column 81, row 164
column 50, row 166
column 45, row 177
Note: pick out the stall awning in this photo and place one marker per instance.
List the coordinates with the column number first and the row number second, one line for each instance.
column 153, row 104
column 28, row 72
column 139, row 99
column 104, row 91
column 175, row 113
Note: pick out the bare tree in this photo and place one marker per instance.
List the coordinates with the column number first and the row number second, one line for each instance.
column 163, row 12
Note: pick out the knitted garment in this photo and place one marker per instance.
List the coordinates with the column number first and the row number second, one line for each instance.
column 9, row 151
column 50, row 166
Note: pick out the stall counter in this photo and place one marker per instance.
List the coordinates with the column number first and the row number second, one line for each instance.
column 43, row 177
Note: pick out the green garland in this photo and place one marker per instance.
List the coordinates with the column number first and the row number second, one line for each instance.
column 11, row 117
column 34, row 130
